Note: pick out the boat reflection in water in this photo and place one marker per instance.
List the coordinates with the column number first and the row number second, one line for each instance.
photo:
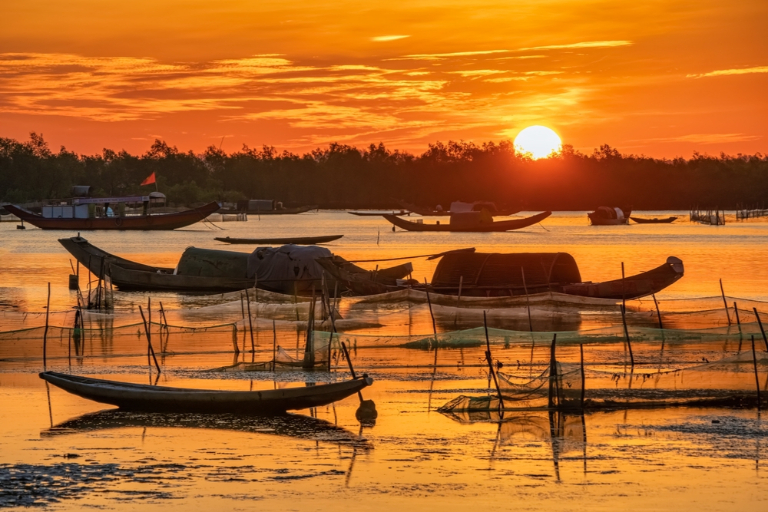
column 287, row 425
column 565, row 432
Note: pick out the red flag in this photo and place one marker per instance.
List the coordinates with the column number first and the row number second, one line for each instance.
column 150, row 179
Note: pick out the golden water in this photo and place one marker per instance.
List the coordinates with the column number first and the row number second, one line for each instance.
column 414, row 457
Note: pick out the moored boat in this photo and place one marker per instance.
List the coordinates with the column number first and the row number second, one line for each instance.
column 304, row 240
column 142, row 397
column 667, row 220
column 80, row 218
column 608, row 216
column 469, row 222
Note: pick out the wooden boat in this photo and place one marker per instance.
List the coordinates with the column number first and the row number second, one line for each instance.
column 640, row 220
column 141, row 397
column 607, row 216
column 470, row 222
column 498, row 275
column 305, row 240
column 268, row 207
column 379, row 214
column 365, row 282
column 164, row 221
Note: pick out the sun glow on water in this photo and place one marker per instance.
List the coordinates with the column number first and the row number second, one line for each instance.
column 538, row 141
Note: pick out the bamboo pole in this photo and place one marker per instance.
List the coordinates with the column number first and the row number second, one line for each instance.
column 149, row 340
column 351, row 369
column 429, row 302
column 765, row 339
column 274, row 344
column 725, row 304
column 490, row 362
column 250, row 323
column 552, row 373
column 458, row 301
column 527, row 300
column 583, row 376
column 757, row 380
column 738, row 320
column 624, row 316
column 45, row 333
column 658, row 312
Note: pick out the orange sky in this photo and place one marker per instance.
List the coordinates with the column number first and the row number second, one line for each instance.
column 664, row 78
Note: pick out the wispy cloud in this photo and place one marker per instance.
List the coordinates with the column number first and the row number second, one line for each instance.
column 707, row 138
column 583, row 44
column 441, row 56
column 727, row 72
column 474, row 73
column 382, row 39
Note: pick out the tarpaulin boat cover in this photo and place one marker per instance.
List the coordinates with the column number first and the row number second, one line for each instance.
column 286, row 263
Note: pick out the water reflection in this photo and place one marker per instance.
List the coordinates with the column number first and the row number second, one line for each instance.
column 289, row 425
column 566, row 433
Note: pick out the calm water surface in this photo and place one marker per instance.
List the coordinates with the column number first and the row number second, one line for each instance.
column 55, row 450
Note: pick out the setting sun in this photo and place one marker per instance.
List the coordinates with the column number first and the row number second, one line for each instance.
column 538, row 141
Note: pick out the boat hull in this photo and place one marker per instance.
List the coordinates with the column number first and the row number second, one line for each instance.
column 139, row 397
column 640, row 220
column 134, row 280
column 284, row 211
column 632, row 287
column 307, row 240
column 490, row 227
column 165, row 221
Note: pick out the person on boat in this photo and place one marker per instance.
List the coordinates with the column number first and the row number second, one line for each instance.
column 110, row 213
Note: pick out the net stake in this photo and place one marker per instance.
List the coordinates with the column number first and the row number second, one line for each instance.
column 624, row 317
column 250, row 323
column 583, row 377
column 429, row 302
column 738, row 320
column 552, row 373
column 765, row 339
column 351, row 369
column 757, row 380
column 490, row 362
column 274, row 344
column 458, row 301
column 658, row 313
column 149, row 339
column 527, row 300
column 725, row 304
column 45, row 333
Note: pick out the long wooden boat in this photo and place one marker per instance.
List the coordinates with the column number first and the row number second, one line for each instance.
column 304, row 240
column 632, row 287
column 127, row 279
column 469, row 227
column 640, row 220
column 164, row 221
column 142, row 397
column 379, row 214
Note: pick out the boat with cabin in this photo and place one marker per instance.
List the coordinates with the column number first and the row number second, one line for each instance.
column 469, row 222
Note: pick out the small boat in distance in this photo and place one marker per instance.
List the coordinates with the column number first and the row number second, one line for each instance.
column 83, row 216
column 459, row 207
column 379, row 214
column 268, row 207
column 469, row 222
column 608, row 216
column 305, row 240
column 145, row 398
column 640, row 220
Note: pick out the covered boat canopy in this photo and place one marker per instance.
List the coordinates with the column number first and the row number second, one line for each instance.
column 287, row 264
column 213, row 263
column 503, row 271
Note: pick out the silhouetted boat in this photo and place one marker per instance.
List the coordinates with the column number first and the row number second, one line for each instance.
column 268, row 207
column 458, row 207
column 607, row 216
column 640, row 220
column 304, row 240
column 161, row 221
column 142, row 397
column 365, row 282
column 379, row 214
column 469, row 222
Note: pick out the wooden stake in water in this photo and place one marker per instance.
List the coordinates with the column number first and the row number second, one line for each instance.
column 527, row 300
column 725, row 304
column 757, row 380
column 583, row 376
column 149, row 340
column 429, row 302
column 489, row 358
column 45, row 333
column 274, row 344
column 765, row 339
column 458, row 300
column 658, row 313
column 624, row 317
column 351, row 369
column 738, row 320
column 552, row 373
column 250, row 323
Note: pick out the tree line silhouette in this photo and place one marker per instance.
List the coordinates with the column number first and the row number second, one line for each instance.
column 342, row 176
